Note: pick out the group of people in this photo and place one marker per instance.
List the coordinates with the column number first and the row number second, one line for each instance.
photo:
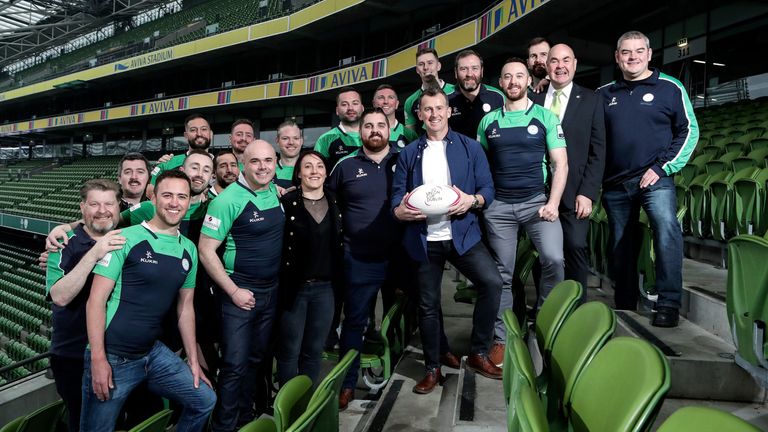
column 247, row 256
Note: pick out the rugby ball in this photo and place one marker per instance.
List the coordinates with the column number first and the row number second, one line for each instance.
column 432, row 199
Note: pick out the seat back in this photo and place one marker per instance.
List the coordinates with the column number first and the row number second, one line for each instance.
column 530, row 412
column 320, row 406
column 261, row 424
column 44, row 419
column 583, row 334
column 518, row 373
column 746, row 296
column 559, row 304
column 333, row 382
column 511, row 324
column 701, row 419
column 621, row 389
column 291, row 401
column 156, row 423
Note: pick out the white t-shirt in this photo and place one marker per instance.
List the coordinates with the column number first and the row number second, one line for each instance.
column 434, row 166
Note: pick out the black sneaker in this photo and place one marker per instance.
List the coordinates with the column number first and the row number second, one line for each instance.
column 665, row 317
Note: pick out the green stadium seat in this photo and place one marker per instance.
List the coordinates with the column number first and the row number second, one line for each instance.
column 530, row 416
column 747, row 297
column 697, row 205
column 291, row 401
column 559, row 304
column 156, row 423
column 333, row 382
column 621, row 389
column 321, row 405
column 758, row 143
column 45, row 419
column 377, row 360
column 718, row 191
column 749, row 202
column 712, row 150
column 261, row 424
column 517, row 374
column 701, row 419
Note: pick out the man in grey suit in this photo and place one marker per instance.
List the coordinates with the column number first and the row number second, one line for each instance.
column 581, row 117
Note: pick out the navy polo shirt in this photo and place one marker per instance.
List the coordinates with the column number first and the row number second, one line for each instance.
column 69, row 336
column 466, row 114
column 363, row 188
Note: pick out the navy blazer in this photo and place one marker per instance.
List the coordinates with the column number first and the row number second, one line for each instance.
column 469, row 172
column 584, row 129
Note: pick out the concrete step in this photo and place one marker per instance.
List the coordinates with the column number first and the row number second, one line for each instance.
column 702, row 365
column 703, row 302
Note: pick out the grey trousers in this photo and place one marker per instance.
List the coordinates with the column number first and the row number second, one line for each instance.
column 502, row 221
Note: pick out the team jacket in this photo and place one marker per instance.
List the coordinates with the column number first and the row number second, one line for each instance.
column 652, row 126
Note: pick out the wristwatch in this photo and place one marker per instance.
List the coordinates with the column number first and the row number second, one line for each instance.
column 476, row 203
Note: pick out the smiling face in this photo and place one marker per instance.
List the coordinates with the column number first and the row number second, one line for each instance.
column 349, row 107
column 171, row 202
column 198, row 134
column 133, row 178
column 386, row 99
column 514, row 81
column 469, row 73
column 289, row 140
column 241, row 136
column 434, row 112
column 633, row 56
column 312, row 173
column 259, row 162
column 100, row 210
column 199, row 169
column 427, row 64
column 374, row 132
column 561, row 65
column 227, row 170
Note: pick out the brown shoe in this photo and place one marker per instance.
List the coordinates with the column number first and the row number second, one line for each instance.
column 482, row 365
column 429, row 382
column 450, row 360
column 345, row 397
column 496, row 354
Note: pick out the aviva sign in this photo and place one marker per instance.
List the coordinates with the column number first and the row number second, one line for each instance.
column 145, row 60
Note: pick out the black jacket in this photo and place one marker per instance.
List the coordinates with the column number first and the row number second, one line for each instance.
column 296, row 221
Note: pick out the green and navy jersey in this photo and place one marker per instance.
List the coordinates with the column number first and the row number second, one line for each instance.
column 400, row 136
column 190, row 224
column 517, row 143
column 171, row 164
column 466, row 114
column 69, row 337
column 411, row 108
column 148, row 272
column 283, row 175
column 250, row 223
column 337, row 143
column 649, row 124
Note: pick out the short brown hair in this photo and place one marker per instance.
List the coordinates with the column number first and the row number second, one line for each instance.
column 466, row 53
column 238, row 122
column 194, row 116
column 432, row 91
column 99, row 184
column 347, row 89
column 537, row 40
column 132, row 156
column 288, row 123
column 172, row 174
column 426, row 50
column 369, row 111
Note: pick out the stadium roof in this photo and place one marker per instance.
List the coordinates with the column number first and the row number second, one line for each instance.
column 28, row 27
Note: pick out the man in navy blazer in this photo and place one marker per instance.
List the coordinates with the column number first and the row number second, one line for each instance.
column 582, row 119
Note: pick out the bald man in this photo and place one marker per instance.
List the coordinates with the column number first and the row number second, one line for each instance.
column 248, row 217
column 581, row 117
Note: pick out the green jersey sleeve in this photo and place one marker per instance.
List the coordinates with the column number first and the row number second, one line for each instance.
column 53, row 270
column 189, row 282
column 139, row 213
column 220, row 217
column 322, row 143
column 555, row 135
column 111, row 265
column 410, row 134
column 410, row 117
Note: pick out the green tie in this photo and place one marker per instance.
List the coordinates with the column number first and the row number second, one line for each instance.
column 555, row 108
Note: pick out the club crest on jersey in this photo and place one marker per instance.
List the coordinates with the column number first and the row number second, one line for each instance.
column 494, row 134
column 648, row 98
column 148, row 258
column 613, row 101
column 400, row 143
column 361, row 173
column 104, row 261
column 533, row 129
column 486, row 107
column 256, row 217
column 185, row 264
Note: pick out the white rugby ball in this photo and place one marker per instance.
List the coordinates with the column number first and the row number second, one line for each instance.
column 432, row 199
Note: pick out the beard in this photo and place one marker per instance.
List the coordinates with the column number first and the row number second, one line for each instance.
column 469, row 85
column 226, row 180
column 539, row 71
column 373, row 145
column 194, row 144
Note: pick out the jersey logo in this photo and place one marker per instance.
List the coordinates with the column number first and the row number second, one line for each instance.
column 494, row 134
column 648, row 97
column 560, row 134
column 104, row 261
column 400, row 143
column 456, row 111
column 212, row 223
column 486, row 107
column 256, row 217
column 148, row 259
column 135, row 207
column 360, row 173
column 613, row 101
column 533, row 129
column 185, row 264
column 155, row 171
column 341, row 149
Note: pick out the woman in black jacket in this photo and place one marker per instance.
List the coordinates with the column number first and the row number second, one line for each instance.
column 311, row 269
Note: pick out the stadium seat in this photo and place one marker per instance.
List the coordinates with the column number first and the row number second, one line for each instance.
column 261, row 424
column 321, row 405
column 701, row 419
column 378, row 358
column 563, row 299
column 621, row 389
column 156, row 423
column 291, row 401
column 45, row 419
column 511, row 324
column 749, row 202
column 758, row 143
column 583, row 334
column 517, row 373
column 718, row 192
column 697, row 205
column 333, row 382
column 746, row 297
column 530, row 413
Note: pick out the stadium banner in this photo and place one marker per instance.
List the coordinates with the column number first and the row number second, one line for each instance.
column 25, row 223
column 269, row 28
column 461, row 37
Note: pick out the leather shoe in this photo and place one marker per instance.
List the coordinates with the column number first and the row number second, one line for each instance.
column 429, row 382
column 496, row 354
column 482, row 365
column 450, row 360
column 666, row 317
column 345, row 397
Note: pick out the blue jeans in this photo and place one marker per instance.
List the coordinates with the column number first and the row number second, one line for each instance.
column 304, row 324
column 622, row 204
column 480, row 268
column 363, row 281
column 245, row 336
column 166, row 375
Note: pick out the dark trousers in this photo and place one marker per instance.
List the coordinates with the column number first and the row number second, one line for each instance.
column 575, row 248
column 480, row 268
column 68, row 373
column 245, row 336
